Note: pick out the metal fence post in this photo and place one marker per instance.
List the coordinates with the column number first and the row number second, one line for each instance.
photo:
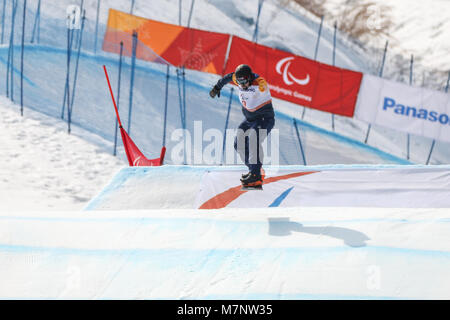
column 96, row 26
column 226, row 124
column 36, row 27
column 21, row 56
column 165, row 105
column 434, row 140
column 380, row 75
column 76, row 70
column 299, row 141
column 133, row 66
column 316, row 51
column 118, row 96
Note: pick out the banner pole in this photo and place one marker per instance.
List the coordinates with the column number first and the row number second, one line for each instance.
column 76, row 70
column 316, row 51
column 69, row 53
column 299, row 141
column 434, row 140
column 165, row 105
column 334, row 63
column 380, row 75
column 190, row 13
column 96, row 26
column 118, row 96
column 133, row 66
column 226, row 123
column 36, row 19
column 227, row 54
column 180, row 100
column 255, row 33
column 21, row 56
column 11, row 47
column 411, row 70
column 3, row 19
column 179, row 12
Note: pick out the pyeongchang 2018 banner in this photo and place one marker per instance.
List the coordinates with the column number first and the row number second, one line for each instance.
column 297, row 79
column 418, row 111
column 160, row 42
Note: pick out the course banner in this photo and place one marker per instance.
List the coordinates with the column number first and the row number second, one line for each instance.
column 418, row 111
column 297, row 79
column 166, row 43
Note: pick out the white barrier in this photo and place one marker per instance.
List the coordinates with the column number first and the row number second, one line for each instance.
column 418, row 111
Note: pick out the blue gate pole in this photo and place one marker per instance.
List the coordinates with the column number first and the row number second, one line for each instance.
column 179, row 12
column 21, row 56
column 334, row 63
column 165, row 105
column 380, row 75
column 11, row 51
column 132, row 7
column 96, row 26
column 69, row 54
column 67, row 89
column 410, row 83
column 299, row 141
column 190, row 13
column 180, row 100
column 184, row 97
column 133, row 66
column 226, row 124
column 316, row 51
column 3, row 19
column 77, row 33
column 69, row 110
column 39, row 23
column 434, row 140
column 118, row 97
column 255, row 33
column 36, row 21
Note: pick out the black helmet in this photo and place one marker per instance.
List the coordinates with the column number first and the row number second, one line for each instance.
column 243, row 74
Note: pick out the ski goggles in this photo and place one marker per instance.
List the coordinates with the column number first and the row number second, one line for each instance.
column 243, row 80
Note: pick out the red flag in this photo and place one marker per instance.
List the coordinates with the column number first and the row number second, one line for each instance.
column 134, row 155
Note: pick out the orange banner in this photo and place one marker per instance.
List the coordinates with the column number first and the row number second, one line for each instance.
column 157, row 41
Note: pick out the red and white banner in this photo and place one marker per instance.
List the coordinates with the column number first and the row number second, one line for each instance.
column 297, row 79
column 418, row 111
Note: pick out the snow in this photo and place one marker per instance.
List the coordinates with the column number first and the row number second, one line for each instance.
column 44, row 168
column 271, row 253
column 50, row 248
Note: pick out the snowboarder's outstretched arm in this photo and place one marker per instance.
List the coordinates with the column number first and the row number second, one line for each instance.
column 219, row 85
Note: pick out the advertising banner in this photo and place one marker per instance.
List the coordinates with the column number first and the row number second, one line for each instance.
column 161, row 42
column 414, row 110
column 297, row 79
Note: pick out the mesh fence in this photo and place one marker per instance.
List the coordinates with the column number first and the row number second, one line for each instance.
column 63, row 77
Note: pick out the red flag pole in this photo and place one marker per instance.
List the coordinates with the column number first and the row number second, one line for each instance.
column 112, row 97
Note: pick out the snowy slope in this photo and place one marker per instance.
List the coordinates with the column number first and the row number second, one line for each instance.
column 44, row 168
column 419, row 28
column 272, row 253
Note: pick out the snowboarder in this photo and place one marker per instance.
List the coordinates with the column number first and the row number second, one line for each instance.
column 257, row 108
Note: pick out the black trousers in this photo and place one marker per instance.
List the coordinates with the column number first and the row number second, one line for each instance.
column 249, row 139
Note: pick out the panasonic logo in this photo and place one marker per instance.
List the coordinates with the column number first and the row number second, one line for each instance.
column 433, row 116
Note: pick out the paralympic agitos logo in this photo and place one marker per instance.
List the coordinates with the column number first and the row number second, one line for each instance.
column 282, row 68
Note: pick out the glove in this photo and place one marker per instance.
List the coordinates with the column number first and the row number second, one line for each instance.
column 215, row 91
